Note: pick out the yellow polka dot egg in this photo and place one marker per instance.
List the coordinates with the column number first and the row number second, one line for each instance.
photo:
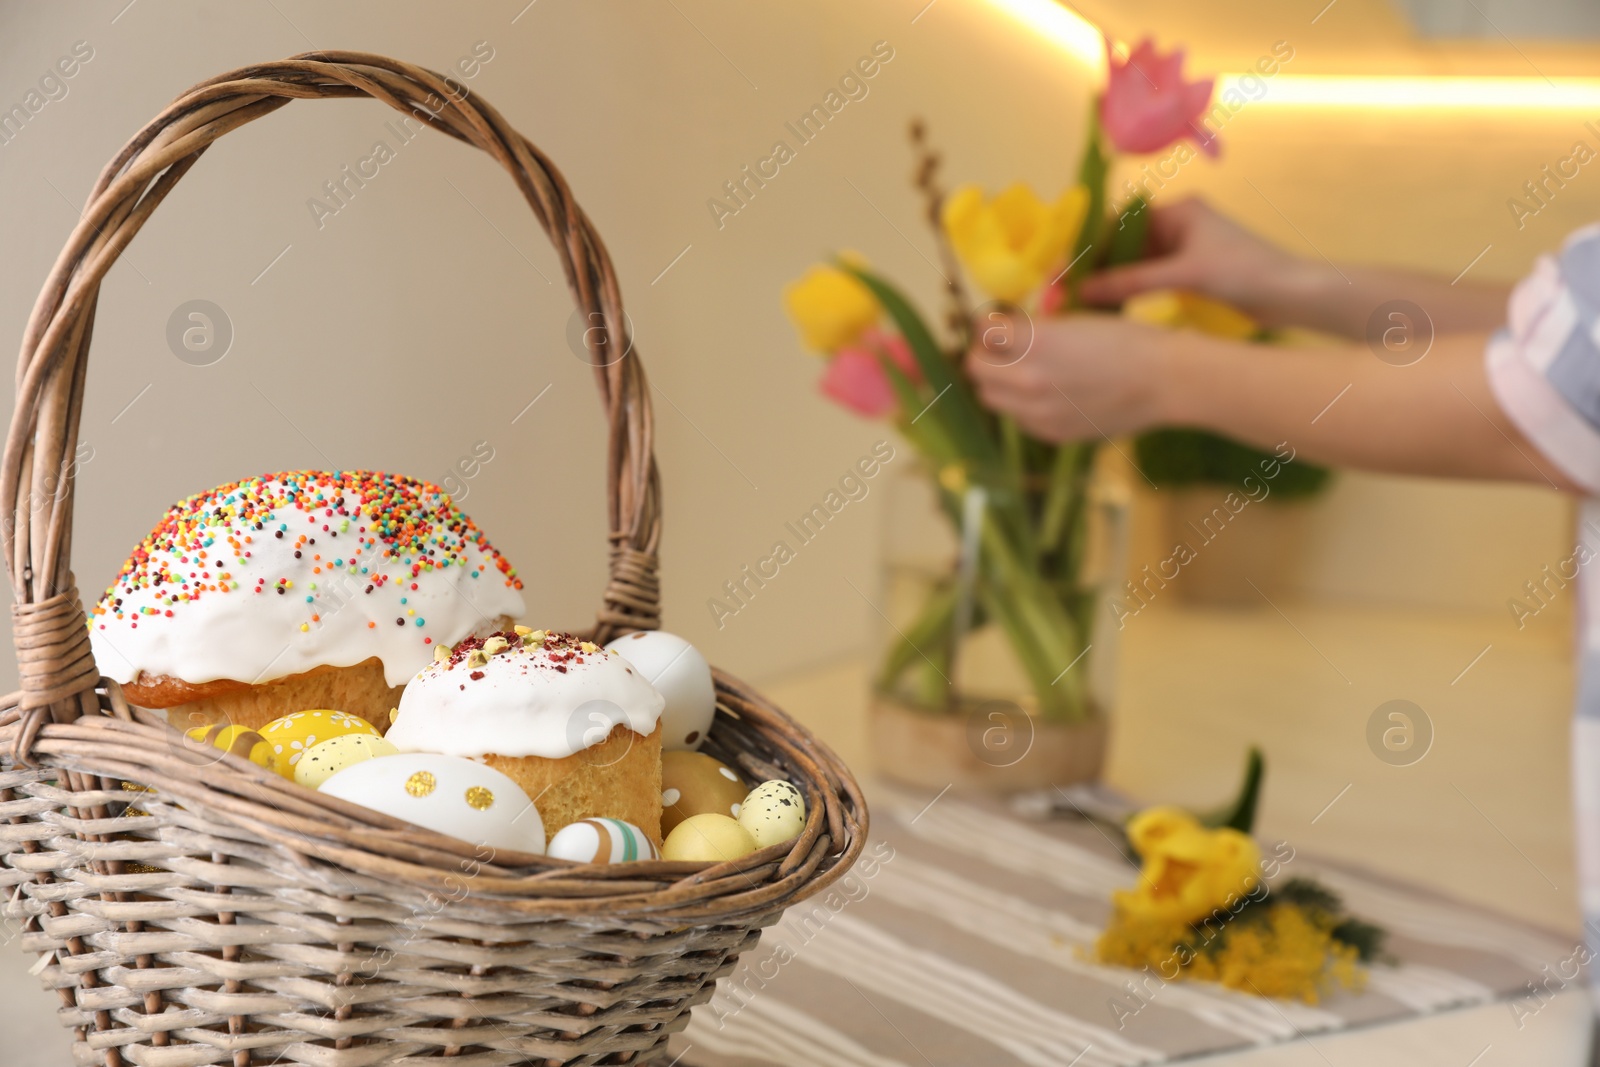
column 447, row 794
column 293, row 735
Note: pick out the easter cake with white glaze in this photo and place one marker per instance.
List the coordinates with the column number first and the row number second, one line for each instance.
column 575, row 725
column 301, row 589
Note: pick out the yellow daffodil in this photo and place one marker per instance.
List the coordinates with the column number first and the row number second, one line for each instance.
column 1177, row 309
column 1189, row 871
column 1012, row 243
column 830, row 308
column 1200, row 911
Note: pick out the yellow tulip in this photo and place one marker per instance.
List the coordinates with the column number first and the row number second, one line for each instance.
column 1177, row 309
column 1012, row 243
column 830, row 308
column 1189, row 871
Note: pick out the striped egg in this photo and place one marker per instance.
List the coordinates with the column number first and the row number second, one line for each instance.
column 235, row 740
column 602, row 841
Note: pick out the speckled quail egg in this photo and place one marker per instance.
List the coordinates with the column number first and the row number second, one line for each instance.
column 774, row 812
column 327, row 758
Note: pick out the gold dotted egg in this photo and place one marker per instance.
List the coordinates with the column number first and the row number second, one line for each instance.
column 421, row 784
column 693, row 783
column 479, row 798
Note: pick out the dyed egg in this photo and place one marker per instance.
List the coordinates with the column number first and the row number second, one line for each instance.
column 448, row 794
column 693, row 783
column 680, row 674
column 293, row 735
column 708, row 838
column 602, row 841
column 327, row 758
column 774, row 812
column 238, row 740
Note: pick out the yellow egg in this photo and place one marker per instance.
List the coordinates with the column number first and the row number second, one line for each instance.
column 708, row 838
column 237, row 740
column 295, row 734
column 327, row 758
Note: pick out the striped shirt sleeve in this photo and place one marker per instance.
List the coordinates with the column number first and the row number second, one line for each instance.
column 1544, row 366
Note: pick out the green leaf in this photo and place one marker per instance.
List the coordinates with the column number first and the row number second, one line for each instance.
column 928, row 637
column 1240, row 815
column 953, row 400
column 1367, row 939
column 1129, row 230
column 1178, row 458
column 1044, row 637
column 1092, row 175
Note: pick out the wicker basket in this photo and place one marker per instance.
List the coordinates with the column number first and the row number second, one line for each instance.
column 235, row 918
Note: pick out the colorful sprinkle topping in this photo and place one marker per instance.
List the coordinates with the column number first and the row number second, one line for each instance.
column 360, row 531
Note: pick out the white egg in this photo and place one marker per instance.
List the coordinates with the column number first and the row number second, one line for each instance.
column 680, row 674
column 448, row 794
column 602, row 841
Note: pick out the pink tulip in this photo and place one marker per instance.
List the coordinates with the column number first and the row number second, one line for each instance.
column 1147, row 105
column 856, row 379
column 1053, row 298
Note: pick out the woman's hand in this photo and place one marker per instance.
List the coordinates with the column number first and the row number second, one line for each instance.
column 1193, row 247
column 1087, row 375
column 1090, row 375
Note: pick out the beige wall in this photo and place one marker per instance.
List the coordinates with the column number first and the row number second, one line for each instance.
column 415, row 322
column 406, row 329
column 1424, row 189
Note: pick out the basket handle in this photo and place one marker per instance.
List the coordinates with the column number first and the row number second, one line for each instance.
column 50, row 629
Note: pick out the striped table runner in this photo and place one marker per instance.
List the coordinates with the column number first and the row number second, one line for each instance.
column 960, row 939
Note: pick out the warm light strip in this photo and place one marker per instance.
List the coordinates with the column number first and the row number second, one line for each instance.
column 1443, row 91
column 1081, row 39
column 1061, row 25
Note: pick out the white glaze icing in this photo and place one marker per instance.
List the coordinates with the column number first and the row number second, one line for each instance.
column 351, row 604
column 551, row 699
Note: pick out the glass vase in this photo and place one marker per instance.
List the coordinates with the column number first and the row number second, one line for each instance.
column 997, row 658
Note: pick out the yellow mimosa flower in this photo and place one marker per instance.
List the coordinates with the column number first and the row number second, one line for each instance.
column 830, row 308
column 1012, row 243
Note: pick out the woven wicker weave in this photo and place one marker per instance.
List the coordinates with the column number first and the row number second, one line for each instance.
column 232, row 917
